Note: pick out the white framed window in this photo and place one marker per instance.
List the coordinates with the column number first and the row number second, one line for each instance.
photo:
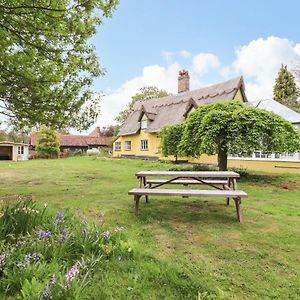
column 127, row 145
column 144, row 124
column 117, row 146
column 144, row 145
column 20, row 149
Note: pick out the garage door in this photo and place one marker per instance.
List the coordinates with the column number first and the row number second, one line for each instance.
column 6, row 152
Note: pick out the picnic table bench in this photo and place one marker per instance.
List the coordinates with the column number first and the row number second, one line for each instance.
column 224, row 182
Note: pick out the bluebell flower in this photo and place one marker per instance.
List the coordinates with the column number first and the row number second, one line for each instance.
column 106, row 234
column 45, row 234
column 59, row 218
column 119, row 228
column 63, row 236
column 53, row 280
column 46, row 294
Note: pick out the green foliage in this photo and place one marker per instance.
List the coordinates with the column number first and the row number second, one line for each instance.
column 47, row 143
column 193, row 167
column 50, row 40
column 78, row 152
column 14, row 136
column 233, row 128
column 148, row 92
column 19, row 219
column 285, row 89
column 170, row 137
column 56, row 257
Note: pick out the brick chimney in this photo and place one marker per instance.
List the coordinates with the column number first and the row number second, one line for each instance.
column 183, row 81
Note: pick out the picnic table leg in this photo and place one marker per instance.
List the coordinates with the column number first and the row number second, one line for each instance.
column 137, row 200
column 145, row 183
column 238, row 208
column 185, row 186
column 228, row 184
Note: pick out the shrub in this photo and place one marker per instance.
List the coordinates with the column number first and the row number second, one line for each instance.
column 194, row 167
column 77, row 152
column 47, row 143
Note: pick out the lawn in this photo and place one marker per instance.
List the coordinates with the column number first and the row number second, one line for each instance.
column 182, row 248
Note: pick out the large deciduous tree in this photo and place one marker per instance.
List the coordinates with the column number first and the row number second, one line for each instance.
column 47, row 64
column 285, row 89
column 148, row 92
column 234, row 128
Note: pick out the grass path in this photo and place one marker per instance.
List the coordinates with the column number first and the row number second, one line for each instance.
column 183, row 248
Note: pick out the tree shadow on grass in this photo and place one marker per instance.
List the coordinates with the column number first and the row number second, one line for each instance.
column 187, row 211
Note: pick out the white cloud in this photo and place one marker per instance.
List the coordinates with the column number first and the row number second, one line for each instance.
column 162, row 77
column 259, row 62
column 203, row 62
column 297, row 49
column 185, row 54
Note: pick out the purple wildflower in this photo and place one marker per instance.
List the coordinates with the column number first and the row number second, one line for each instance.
column 72, row 273
column 59, row 218
column 45, row 234
column 60, row 215
column 119, row 228
column 63, row 236
column 84, row 231
column 53, row 280
column 27, row 259
column 105, row 234
column 46, row 294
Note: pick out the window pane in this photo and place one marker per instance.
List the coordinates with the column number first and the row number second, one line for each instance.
column 144, row 144
column 127, row 145
column 117, row 146
column 144, row 124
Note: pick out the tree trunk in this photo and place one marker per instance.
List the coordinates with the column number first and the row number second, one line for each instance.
column 222, row 159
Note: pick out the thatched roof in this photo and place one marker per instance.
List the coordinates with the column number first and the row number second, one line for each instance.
column 173, row 109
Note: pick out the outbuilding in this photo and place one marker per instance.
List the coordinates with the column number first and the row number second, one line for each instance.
column 13, row 151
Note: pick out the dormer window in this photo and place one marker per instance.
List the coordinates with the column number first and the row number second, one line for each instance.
column 144, row 124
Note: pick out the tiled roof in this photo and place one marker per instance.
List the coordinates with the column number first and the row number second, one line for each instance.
column 95, row 138
column 172, row 109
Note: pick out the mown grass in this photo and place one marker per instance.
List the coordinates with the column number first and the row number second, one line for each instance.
column 182, row 248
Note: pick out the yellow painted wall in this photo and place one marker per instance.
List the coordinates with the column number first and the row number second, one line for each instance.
column 271, row 166
column 153, row 144
column 238, row 96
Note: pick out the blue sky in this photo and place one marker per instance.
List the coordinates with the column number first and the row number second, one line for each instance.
column 147, row 42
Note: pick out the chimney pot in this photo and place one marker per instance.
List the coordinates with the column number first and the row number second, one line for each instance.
column 183, row 81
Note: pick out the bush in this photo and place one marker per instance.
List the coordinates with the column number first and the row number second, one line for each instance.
column 77, row 152
column 47, row 143
column 193, row 167
column 47, row 256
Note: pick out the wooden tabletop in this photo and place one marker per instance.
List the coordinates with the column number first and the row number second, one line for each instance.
column 187, row 174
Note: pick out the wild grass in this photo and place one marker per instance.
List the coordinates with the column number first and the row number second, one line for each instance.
column 181, row 248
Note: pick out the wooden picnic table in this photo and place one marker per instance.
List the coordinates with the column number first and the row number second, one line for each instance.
column 224, row 181
column 200, row 177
